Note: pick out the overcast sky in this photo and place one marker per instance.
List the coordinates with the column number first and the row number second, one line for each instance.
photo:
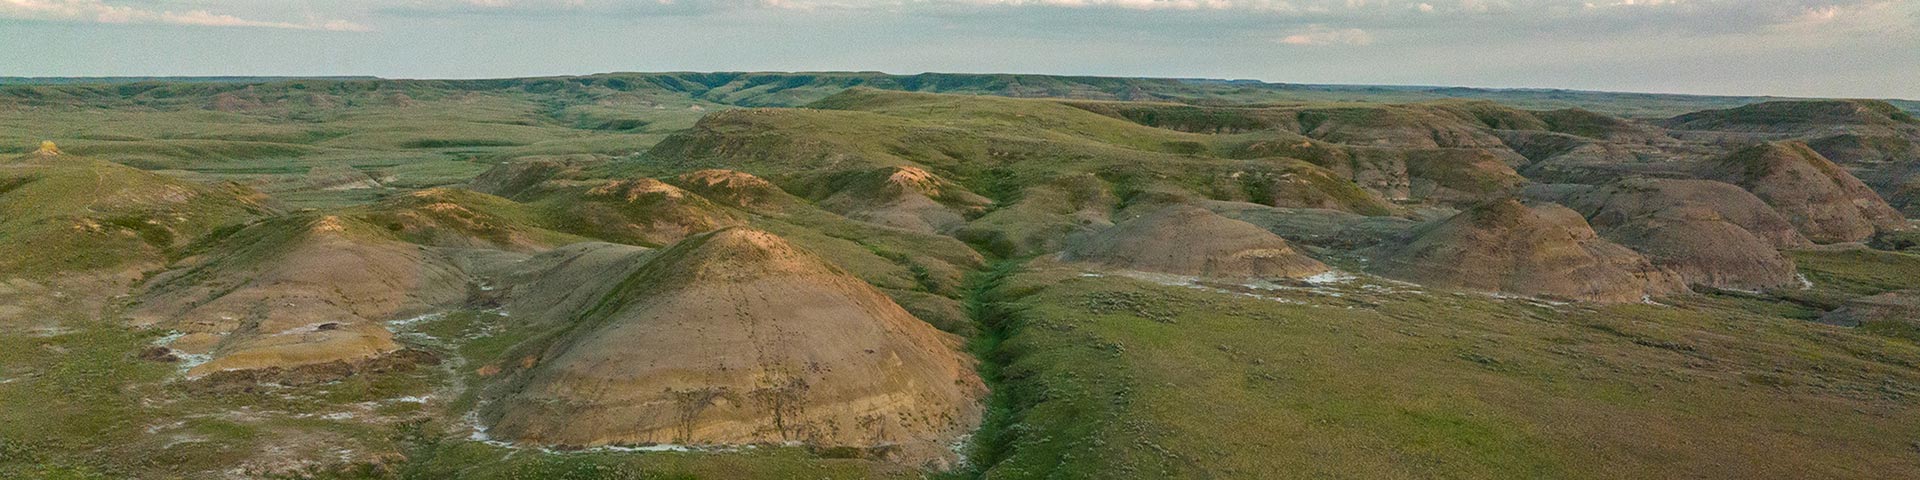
column 1829, row 48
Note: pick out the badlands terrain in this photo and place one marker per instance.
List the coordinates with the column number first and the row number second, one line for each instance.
column 859, row 275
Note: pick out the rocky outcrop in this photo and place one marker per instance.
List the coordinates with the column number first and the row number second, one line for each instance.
column 1182, row 239
column 738, row 337
column 1543, row 250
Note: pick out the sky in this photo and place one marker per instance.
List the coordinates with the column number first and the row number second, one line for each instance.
column 1813, row 48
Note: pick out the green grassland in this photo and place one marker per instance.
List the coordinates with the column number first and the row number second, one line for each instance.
column 1094, row 375
column 1114, row 377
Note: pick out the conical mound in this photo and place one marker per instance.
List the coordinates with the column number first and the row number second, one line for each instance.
column 738, row 337
column 1826, row 203
column 1183, row 239
column 1711, row 233
column 1539, row 250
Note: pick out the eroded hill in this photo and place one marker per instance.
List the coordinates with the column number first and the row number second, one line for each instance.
column 851, row 276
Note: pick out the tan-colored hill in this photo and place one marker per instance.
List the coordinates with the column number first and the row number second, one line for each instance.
column 1544, row 250
column 1711, row 233
column 1827, row 204
column 1183, row 239
column 1622, row 202
column 298, row 291
column 738, row 337
column 1898, row 306
column 902, row 197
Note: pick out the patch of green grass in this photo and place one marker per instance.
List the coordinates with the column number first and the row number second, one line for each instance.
column 1192, row 383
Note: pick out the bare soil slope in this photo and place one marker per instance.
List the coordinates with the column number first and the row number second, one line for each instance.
column 738, row 337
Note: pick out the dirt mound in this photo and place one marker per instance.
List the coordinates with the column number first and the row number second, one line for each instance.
column 903, row 197
column 733, row 188
column 1711, row 233
column 1826, row 203
column 1537, row 250
column 1184, row 239
column 1620, row 203
column 737, row 337
column 640, row 211
column 297, row 291
column 1900, row 306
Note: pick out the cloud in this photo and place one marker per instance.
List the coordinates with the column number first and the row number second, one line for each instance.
column 97, row 11
column 1320, row 35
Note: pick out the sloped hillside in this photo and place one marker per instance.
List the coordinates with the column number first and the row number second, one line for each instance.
column 1542, row 250
column 739, row 337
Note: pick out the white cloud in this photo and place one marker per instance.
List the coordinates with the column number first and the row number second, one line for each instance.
column 98, row 11
column 1319, row 35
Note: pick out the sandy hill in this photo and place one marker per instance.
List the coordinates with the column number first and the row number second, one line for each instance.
column 1621, row 202
column 1712, row 233
column 1826, row 203
column 1537, row 250
column 298, row 291
column 738, row 337
column 1183, row 239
